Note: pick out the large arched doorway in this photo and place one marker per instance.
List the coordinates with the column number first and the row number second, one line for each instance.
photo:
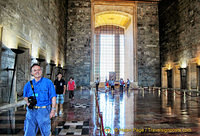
column 114, row 42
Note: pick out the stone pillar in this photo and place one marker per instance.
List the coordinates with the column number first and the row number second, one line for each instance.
column 22, row 72
column 13, row 95
column 164, row 77
column 48, row 71
column 53, row 70
column 97, row 57
column 0, row 59
column 43, row 65
column 198, row 79
column 176, row 77
column 117, row 56
column 192, row 76
column 0, row 44
column 183, row 75
column 169, row 78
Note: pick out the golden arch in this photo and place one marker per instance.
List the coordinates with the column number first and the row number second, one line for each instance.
column 116, row 18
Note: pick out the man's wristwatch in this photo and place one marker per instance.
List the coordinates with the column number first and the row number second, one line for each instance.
column 53, row 108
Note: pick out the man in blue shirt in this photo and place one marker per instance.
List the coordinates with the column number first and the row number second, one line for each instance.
column 128, row 83
column 112, row 84
column 121, row 83
column 41, row 113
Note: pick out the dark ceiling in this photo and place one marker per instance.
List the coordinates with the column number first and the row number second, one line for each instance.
column 146, row 0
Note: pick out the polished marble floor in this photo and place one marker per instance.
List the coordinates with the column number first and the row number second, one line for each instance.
column 135, row 112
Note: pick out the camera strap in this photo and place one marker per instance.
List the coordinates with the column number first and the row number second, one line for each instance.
column 32, row 87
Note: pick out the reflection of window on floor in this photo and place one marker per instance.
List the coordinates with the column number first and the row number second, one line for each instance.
column 121, row 56
column 107, row 56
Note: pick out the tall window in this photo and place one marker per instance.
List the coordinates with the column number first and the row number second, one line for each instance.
column 122, row 56
column 107, row 55
column 108, row 52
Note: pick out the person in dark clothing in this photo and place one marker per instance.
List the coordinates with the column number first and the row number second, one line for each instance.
column 128, row 83
column 97, row 84
column 112, row 84
column 121, row 83
column 60, row 87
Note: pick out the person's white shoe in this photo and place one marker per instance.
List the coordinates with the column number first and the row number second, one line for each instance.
column 60, row 113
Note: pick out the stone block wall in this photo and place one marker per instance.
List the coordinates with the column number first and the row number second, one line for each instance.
column 38, row 26
column 78, row 59
column 7, row 60
column 148, row 44
column 179, row 30
column 179, row 37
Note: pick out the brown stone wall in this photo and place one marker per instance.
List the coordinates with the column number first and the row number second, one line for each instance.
column 179, row 37
column 179, row 30
column 7, row 60
column 78, row 59
column 35, row 25
column 148, row 44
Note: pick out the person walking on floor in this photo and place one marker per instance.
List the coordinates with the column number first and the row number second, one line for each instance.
column 60, row 86
column 39, row 95
column 97, row 84
column 71, row 86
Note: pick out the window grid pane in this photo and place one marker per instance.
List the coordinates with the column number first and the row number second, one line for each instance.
column 122, row 56
column 107, row 55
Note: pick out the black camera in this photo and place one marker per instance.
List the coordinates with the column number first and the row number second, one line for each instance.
column 32, row 100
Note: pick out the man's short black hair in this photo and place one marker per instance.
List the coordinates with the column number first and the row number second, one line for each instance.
column 59, row 73
column 35, row 64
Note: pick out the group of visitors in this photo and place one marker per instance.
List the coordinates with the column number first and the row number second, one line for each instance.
column 60, row 87
column 110, row 84
column 123, row 85
column 43, row 99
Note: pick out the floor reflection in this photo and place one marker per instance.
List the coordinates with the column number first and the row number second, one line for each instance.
column 115, row 108
column 128, row 113
column 175, row 111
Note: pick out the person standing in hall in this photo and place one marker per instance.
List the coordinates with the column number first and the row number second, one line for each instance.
column 121, row 83
column 39, row 95
column 128, row 83
column 60, row 86
column 106, row 85
column 97, row 84
column 112, row 84
column 71, row 86
column 109, row 82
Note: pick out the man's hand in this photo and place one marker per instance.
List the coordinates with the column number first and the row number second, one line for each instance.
column 53, row 110
column 26, row 99
column 52, row 114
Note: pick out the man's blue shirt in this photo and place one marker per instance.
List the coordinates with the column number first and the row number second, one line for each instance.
column 121, row 82
column 44, row 90
column 112, row 83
